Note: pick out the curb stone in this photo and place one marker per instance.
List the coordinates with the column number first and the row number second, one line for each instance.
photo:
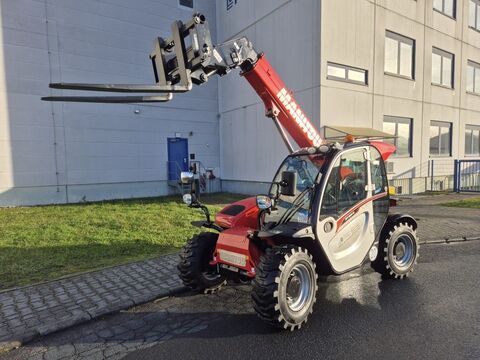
column 450, row 240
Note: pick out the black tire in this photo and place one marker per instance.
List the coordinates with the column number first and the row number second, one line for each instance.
column 397, row 252
column 194, row 268
column 274, row 280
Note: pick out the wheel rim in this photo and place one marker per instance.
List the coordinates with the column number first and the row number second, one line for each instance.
column 404, row 251
column 299, row 287
column 210, row 273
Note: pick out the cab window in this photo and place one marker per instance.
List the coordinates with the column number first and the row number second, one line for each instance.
column 346, row 185
column 377, row 169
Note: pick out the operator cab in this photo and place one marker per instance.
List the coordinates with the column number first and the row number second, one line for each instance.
column 294, row 206
column 340, row 199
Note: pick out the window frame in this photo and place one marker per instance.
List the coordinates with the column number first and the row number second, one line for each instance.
column 442, row 10
column 347, row 69
column 401, row 39
column 336, row 161
column 476, row 67
column 184, row 7
column 444, row 54
column 476, row 27
column 375, row 156
column 472, row 127
column 439, row 124
column 401, row 120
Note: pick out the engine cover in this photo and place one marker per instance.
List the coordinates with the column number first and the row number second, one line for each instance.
column 243, row 213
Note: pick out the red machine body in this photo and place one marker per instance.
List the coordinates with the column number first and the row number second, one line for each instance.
column 240, row 220
column 235, row 250
column 243, row 213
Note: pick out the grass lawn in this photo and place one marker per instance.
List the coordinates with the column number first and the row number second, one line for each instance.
column 46, row 242
column 473, row 203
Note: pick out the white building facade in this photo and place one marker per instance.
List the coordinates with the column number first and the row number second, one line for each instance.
column 409, row 67
column 67, row 152
column 406, row 67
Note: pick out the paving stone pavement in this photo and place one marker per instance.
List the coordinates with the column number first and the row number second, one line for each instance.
column 31, row 311
column 354, row 313
column 140, row 327
column 437, row 222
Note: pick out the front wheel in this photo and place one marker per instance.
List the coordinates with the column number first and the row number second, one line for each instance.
column 285, row 286
column 398, row 252
column 194, row 268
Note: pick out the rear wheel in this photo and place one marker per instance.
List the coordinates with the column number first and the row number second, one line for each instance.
column 285, row 287
column 194, row 268
column 398, row 252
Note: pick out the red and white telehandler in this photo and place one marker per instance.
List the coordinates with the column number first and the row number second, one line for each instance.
column 327, row 210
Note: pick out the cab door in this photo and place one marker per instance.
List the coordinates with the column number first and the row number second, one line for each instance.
column 345, row 226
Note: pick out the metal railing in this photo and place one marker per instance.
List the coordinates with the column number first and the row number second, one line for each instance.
column 209, row 183
column 416, row 185
column 430, row 176
column 467, row 175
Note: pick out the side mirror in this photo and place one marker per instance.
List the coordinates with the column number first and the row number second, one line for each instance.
column 264, row 202
column 288, row 185
column 186, row 177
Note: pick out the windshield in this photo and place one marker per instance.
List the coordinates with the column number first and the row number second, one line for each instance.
column 295, row 208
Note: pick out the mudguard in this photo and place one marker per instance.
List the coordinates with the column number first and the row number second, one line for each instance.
column 396, row 218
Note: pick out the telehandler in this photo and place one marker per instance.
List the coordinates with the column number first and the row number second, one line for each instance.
column 327, row 210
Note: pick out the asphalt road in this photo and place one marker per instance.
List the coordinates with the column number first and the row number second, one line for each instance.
column 433, row 314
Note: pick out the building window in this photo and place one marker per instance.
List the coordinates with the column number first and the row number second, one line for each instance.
column 446, row 7
column 442, row 68
column 231, row 4
column 473, row 77
column 440, row 138
column 401, row 128
column 472, row 140
column 474, row 14
column 347, row 73
column 186, row 3
column 399, row 55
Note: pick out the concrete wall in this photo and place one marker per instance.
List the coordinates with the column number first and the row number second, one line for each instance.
column 288, row 32
column 54, row 153
column 353, row 33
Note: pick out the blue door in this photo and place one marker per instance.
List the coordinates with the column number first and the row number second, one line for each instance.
column 177, row 157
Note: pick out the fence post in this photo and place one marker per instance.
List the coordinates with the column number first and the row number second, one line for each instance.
column 455, row 176
column 431, row 174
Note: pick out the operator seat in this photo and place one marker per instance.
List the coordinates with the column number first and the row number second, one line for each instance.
column 353, row 187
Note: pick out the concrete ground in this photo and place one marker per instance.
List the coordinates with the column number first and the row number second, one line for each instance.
column 432, row 314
